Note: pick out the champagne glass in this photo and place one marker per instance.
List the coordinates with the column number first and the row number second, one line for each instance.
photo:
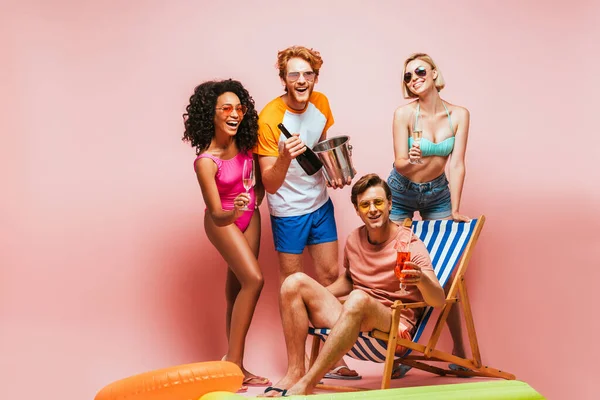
column 417, row 133
column 248, row 179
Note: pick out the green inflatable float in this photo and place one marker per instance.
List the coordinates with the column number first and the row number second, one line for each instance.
column 491, row 390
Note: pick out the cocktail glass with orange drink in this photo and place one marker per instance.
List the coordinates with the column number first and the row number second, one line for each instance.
column 402, row 256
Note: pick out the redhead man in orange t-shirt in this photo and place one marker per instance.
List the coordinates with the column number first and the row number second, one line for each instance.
column 302, row 213
column 370, row 284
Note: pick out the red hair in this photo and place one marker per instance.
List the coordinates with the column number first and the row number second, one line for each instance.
column 311, row 56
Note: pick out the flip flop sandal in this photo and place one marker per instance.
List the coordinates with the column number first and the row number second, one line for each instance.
column 335, row 374
column 262, row 381
column 455, row 367
column 276, row 389
column 400, row 371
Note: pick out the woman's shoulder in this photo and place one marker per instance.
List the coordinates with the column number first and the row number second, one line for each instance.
column 408, row 107
column 406, row 110
column 205, row 159
column 210, row 154
column 224, row 154
column 213, row 156
column 457, row 111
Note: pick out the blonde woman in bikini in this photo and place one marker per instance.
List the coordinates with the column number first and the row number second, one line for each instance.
column 430, row 134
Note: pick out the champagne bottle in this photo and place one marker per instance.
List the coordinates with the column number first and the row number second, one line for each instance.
column 308, row 160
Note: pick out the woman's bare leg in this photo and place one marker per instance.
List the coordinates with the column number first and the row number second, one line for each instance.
column 253, row 234
column 454, row 325
column 240, row 254
column 232, row 285
column 232, row 288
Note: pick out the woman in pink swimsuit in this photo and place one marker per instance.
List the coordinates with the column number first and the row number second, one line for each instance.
column 222, row 124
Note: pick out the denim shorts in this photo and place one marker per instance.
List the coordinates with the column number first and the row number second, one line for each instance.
column 430, row 199
column 292, row 234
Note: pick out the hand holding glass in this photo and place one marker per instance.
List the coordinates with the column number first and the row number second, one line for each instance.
column 416, row 136
column 248, row 179
column 401, row 258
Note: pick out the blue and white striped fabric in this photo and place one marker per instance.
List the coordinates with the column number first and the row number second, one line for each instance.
column 445, row 240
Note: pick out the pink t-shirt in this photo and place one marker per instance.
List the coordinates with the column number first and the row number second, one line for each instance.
column 371, row 268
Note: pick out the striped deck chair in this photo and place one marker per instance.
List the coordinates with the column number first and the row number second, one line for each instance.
column 450, row 245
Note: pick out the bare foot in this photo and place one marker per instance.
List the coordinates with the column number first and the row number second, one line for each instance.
column 277, row 390
column 250, row 379
column 300, row 388
column 272, row 391
column 255, row 380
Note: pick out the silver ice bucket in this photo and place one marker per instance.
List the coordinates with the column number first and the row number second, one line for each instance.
column 336, row 156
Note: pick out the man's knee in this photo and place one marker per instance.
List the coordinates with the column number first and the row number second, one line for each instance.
column 294, row 283
column 357, row 301
column 328, row 275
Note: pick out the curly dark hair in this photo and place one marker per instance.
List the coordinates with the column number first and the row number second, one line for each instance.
column 200, row 113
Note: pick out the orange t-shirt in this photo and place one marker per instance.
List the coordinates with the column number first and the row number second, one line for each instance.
column 371, row 268
column 299, row 194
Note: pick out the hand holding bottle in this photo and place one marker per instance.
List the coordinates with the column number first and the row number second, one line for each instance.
column 296, row 149
column 293, row 147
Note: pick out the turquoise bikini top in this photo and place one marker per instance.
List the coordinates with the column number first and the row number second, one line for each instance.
column 428, row 148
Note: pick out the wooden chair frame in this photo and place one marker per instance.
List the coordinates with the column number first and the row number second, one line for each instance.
column 428, row 352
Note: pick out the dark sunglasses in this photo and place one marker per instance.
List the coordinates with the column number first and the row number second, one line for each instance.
column 420, row 71
column 227, row 109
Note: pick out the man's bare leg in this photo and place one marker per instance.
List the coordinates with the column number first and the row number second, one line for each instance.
column 360, row 312
column 289, row 264
column 303, row 298
column 325, row 258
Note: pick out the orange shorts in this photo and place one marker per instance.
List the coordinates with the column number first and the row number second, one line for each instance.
column 404, row 333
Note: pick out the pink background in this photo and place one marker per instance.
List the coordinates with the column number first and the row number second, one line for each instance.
column 106, row 270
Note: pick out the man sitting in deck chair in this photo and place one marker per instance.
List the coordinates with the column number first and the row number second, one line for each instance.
column 371, row 287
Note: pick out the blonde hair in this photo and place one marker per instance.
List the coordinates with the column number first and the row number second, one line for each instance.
column 439, row 80
column 311, row 56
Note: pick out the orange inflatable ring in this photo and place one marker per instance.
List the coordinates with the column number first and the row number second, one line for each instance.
column 183, row 382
